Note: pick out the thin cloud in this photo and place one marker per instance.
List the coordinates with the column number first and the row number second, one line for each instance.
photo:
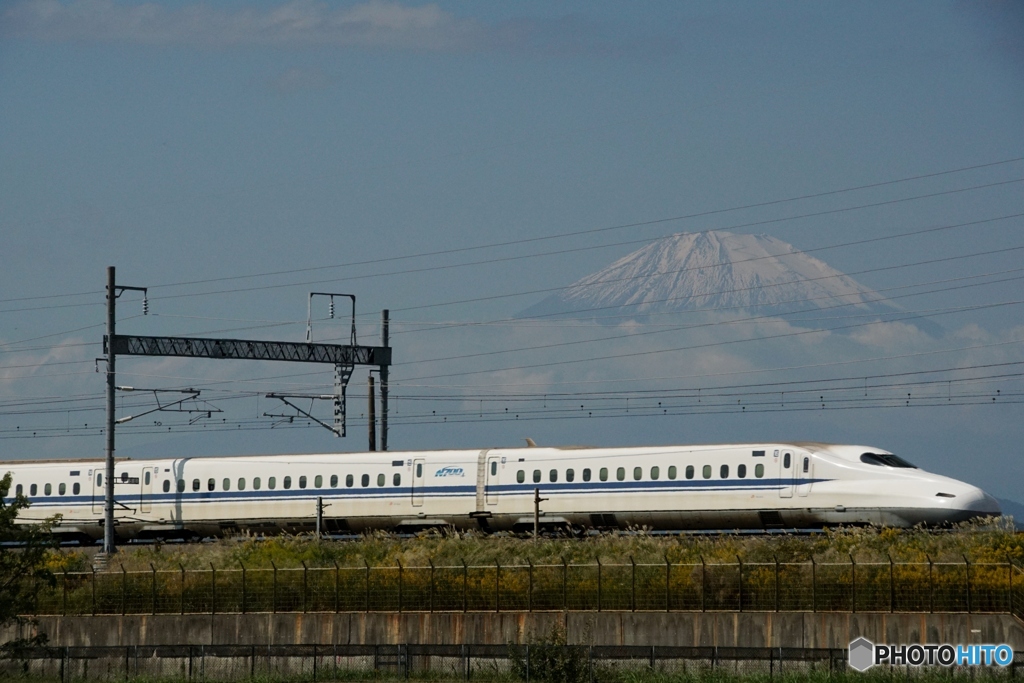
column 373, row 24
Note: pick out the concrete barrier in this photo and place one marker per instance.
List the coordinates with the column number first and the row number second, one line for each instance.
column 735, row 629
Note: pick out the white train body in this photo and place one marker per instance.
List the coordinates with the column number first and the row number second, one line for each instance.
column 742, row 486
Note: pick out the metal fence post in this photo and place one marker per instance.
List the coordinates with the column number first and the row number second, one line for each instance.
column 431, row 595
column 400, row 582
column 598, row 596
column 181, row 598
column 668, row 580
column 703, row 584
column 244, row 592
column 497, row 586
column 273, row 595
column 154, row 586
column 1009, row 585
column 337, row 581
column 892, row 588
column 814, row 586
column 565, row 585
column 213, row 590
column 529, row 588
column 739, row 565
column 64, row 599
column 967, row 572
column 632, row 591
column 931, row 586
column 367, row 603
column 124, row 589
column 776, row 558
column 853, row 584
column 94, row 591
column 465, row 593
column 305, row 584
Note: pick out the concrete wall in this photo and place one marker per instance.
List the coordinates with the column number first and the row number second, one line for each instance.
column 748, row 629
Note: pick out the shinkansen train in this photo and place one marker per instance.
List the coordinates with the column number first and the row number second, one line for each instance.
column 740, row 486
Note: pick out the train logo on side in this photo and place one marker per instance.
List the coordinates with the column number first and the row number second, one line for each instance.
column 450, row 472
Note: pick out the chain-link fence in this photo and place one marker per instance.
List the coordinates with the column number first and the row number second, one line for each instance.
column 542, row 662
column 741, row 586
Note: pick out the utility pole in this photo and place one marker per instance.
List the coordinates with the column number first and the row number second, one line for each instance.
column 108, row 498
column 371, row 422
column 113, row 291
column 537, row 500
column 384, row 325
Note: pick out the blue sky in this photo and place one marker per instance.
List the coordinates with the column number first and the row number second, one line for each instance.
column 187, row 141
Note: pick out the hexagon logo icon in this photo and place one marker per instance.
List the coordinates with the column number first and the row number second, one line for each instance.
column 861, row 654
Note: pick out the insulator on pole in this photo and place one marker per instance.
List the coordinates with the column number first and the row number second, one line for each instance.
column 145, row 305
column 331, row 308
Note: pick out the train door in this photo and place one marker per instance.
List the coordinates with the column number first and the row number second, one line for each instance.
column 786, row 475
column 97, row 490
column 417, row 482
column 802, row 475
column 493, row 472
column 146, row 496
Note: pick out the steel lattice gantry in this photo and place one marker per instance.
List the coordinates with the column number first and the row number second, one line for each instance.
column 247, row 349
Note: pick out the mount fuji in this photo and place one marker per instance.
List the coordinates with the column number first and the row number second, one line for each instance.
column 717, row 271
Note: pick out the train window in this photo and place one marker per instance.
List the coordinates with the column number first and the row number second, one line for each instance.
column 365, row 480
column 211, row 484
column 655, row 472
column 241, row 483
column 47, row 489
column 689, row 471
column 494, row 467
column 76, row 488
column 272, row 483
column 419, row 469
column 318, row 482
column 603, row 474
column 707, row 471
column 758, row 470
column 167, row 485
column 334, row 481
column 62, row 488
column 302, row 482
column 287, row 482
column 18, row 489
column 181, row 486
column 724, row 471
column 99, row 479
column 256, row 483
column 195, row 484
column 620, row 473
column 349, row 480
column 887, row 459
column 380, row 479
column 553, row 476
column 33, row 490
column 397, row 479
column 638, row 472
column 785, row 460
column 807, row 464
column 586, row 474
column 570, row 475
column 672, row 472
column 536, row 476
column 147, row 477
column 520, row 476
column 226, row 484
column 741, row 471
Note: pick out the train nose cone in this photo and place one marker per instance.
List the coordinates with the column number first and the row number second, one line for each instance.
column 982, row 504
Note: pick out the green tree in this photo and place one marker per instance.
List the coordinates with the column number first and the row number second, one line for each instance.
column 25, row 552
